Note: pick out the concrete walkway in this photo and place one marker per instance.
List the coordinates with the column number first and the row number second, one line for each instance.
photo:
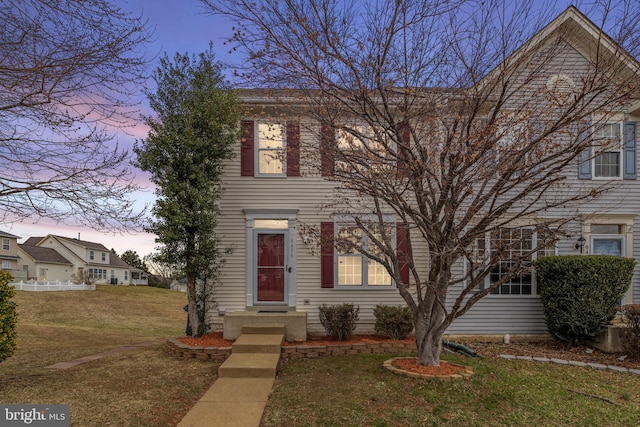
column 239, row 395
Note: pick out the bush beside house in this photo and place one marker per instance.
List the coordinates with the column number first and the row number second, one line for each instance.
column 581, row 294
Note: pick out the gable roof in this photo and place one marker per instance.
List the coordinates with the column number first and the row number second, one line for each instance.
column 5, row 234
column 585, row 36
column 114, row 260
column 43, row 254
column 83, row 243
column 33, row 241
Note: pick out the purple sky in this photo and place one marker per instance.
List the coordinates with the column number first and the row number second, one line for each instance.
column 179, row 26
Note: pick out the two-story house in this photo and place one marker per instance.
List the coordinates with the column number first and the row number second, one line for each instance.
column 9, row 255
column 273, row 194
column 60, row 258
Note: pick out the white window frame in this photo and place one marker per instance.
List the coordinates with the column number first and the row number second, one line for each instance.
column 91, row 255
column 610, row 148
column 346, row 221
column 104, row 256
column 258, row 150
column 6, row 244
column 6, row 265
column 534, row 282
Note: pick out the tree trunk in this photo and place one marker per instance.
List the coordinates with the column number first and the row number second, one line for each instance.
column 429, row 333
column 194, row 319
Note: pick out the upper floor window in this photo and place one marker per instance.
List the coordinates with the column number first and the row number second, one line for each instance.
column 6, row 244
column 611, row 153
column 104, row 256
column 270, row 148
column 607, row 163
column 91, row 255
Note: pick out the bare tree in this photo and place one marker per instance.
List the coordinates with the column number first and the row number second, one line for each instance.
column 453, row 117
column 69, row 75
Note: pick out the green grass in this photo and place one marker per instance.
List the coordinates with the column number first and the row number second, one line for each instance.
column 143, row 387
column 357, row 391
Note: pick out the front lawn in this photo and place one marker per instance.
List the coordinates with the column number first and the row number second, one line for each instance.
column 357, row 391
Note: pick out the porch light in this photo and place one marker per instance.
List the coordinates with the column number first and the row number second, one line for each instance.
column 580, row 243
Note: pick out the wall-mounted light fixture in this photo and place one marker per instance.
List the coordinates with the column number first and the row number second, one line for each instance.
column 580, row 243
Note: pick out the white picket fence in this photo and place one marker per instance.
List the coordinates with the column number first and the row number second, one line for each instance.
column 32, row 285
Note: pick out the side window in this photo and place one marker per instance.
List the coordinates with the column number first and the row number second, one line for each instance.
column 6, row 244
column 104, row 256
column 91, row 255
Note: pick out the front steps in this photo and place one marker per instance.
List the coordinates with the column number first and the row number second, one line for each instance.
column 256, row 352
column 240, row 394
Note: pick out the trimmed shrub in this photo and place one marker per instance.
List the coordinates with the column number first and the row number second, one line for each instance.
column 393, row 321
column 8, row 317
column 339, row 321
column 581, row 294
column 631, row 333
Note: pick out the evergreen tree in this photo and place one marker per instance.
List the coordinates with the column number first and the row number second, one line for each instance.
column 190, row 137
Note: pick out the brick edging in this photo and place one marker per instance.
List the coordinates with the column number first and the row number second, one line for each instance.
column 184, row 351
column 219, row 354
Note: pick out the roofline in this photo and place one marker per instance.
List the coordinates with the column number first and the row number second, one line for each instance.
column 571, row 13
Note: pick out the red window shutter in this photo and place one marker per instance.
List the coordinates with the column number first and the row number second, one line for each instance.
column 404, row 132
column 246, row 148
column 402, row 249
column 326, row 254
column 293, row 149
column 327, row 147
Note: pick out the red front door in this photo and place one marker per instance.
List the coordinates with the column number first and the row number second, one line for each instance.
column 271, row 267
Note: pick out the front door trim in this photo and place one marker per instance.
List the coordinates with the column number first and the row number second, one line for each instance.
column 251, row 271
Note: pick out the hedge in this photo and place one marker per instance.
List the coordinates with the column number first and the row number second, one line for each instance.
column 581, row 294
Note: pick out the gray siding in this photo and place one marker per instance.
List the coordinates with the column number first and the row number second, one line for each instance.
column 495, row 314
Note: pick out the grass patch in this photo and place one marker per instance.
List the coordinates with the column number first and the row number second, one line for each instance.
column 142, row 387
column 357, row 391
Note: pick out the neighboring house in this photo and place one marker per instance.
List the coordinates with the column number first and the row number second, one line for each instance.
column 61, row 258
column 42, row 263
column 273, row 266
column 9, row 255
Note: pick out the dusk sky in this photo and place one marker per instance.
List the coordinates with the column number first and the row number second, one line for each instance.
column 179, row 26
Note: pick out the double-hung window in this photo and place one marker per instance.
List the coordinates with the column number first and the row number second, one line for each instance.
column 363, row 146
column 6, row 265
column 607, row 163
column 510, row 245
column 353, row 268
column 271, row 148
column 6, row 244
